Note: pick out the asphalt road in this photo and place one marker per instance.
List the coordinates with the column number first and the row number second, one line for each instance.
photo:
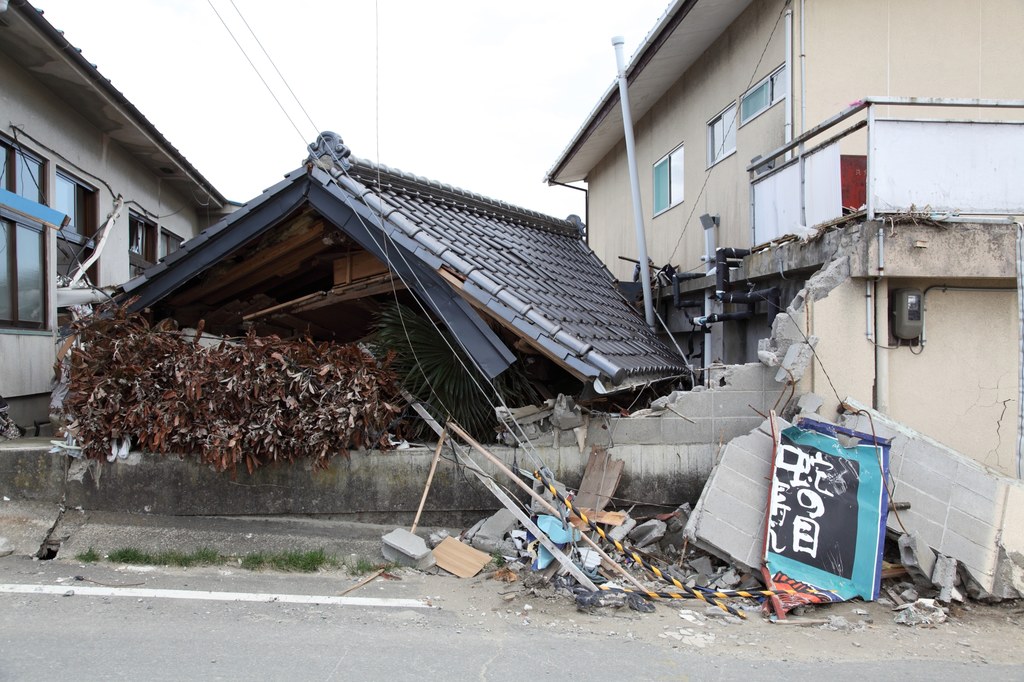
column 46, row 637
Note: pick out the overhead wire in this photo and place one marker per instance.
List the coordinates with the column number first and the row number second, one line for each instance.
column 707, row 175
column 521, row 438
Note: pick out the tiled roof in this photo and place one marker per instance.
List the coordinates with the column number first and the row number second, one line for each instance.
column 529, row 270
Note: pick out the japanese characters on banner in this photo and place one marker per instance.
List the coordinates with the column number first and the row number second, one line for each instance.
column 826, row 514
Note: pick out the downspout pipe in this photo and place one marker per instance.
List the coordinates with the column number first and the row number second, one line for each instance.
column 634, row 181
column 789, row 77
column 722, row 257
column 722, row 317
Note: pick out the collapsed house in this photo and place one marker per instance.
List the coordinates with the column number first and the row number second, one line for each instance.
column 317, row 253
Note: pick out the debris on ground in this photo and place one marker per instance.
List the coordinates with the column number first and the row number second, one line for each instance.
column 246, row 403
column 924, row 612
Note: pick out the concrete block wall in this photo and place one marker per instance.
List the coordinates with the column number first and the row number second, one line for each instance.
column 729, row 517
column 960, row 508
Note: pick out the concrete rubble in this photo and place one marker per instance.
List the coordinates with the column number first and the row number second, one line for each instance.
column 960, row 537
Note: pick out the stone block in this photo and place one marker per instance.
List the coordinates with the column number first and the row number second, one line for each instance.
column 978, row 560
column 407, row 549
column 731, row 427
column 977, row 531
column 796, row 361
column 637, row 431
column 736, row 403
column 970, row 502
column 979, row 481
column 809, row 403
column 747, row 377
column 648, row 533
column 620, row 532
column 567, row 414
column 678, row 431
column 693, row 404
column 490, row 537
column 944, row 577
column 924, row 455
column 917, row 557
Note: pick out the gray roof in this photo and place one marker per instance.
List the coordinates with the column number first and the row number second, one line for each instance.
column 530, row 272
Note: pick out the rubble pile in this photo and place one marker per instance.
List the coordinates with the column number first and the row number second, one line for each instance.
column 249, row 402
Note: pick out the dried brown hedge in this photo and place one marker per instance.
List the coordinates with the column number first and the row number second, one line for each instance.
column 259, row 400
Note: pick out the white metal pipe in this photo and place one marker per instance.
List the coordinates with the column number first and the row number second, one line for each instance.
column 869, row 324
column 101, row 240
column 881, row 341
column 1020, row 358
column 803, row 71
column 789, row 76
column 634, row 181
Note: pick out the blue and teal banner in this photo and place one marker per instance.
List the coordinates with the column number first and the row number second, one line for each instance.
column 826, row 512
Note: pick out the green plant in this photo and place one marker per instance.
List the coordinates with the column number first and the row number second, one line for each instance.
column 432, row 366
column 130, row 555
column 89, row 556
column 306, row 562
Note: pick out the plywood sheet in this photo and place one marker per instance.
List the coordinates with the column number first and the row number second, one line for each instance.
column 460, row 559
column 600, row 479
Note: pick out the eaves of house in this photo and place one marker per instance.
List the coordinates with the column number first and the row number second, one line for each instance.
column 470, row 259
column 41, row 49
column 684, row 32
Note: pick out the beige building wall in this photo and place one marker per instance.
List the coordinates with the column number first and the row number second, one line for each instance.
column 961, row 389
column 899, row 48
column 65, row 140
column 717, row 79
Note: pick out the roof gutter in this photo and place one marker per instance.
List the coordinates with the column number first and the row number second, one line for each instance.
column 671, row 20
column 35, row 17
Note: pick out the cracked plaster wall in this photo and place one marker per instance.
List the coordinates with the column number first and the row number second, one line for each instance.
column 961, row 390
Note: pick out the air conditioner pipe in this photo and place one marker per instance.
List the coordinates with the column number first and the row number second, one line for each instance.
column 677, row 300
column 722, row 264
column 705, row 320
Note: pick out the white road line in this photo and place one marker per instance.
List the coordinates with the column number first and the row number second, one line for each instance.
column 147, row 593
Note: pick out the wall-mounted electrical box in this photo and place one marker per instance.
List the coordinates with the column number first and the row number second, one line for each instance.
column 906, row 306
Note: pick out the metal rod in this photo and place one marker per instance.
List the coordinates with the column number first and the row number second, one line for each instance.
column 634, row 181
column 457, row 430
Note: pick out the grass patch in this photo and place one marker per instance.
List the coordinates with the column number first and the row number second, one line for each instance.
column 303, row 562
column 203, row 556
column 362, row 566
column 89, row 556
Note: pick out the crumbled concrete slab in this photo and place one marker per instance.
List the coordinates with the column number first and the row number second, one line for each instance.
column 798, row 359
column 728, row 519
column 619, row 533
column 490, row 537
column 944, row 577
column 809, row 404
column 24, row 526
column 567, row 414
column 648, row 533
column 407, row 549
column 958, row 507
column 917, row 557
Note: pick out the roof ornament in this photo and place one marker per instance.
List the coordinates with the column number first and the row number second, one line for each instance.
column 329, row 152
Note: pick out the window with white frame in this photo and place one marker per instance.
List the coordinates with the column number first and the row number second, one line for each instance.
column 142, row 242
column 766, row 93
column 668, row 180
column 722, row 135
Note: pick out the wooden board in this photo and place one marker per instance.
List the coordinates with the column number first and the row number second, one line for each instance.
column 460, row 559
column 607, row 518
column 356, row 266
column 600, row 479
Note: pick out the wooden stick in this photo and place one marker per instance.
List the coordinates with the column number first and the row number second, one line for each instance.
column 430, row 477
column 455, row 428
column 362, row 582
column 511, row 505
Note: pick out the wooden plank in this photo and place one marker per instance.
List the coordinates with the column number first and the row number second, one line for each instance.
column 357, row 265
column 459, row 558
column 511, row 504
column 600, row 479
column 607, row 518
column 430, row 478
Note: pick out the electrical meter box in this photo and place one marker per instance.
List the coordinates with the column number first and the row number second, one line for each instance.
column 907, row 307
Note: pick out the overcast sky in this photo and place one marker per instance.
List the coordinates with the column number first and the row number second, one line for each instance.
column 482, row 95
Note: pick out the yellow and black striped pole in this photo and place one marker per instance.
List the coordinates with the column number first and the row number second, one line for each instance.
column 712, row 597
